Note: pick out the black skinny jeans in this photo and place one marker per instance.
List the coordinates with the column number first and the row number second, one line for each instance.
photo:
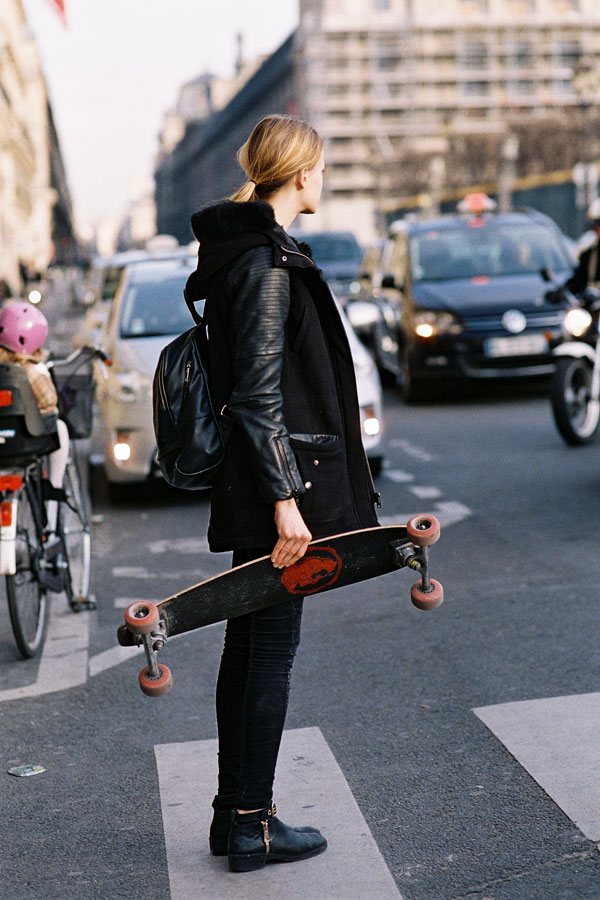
column 252, row 697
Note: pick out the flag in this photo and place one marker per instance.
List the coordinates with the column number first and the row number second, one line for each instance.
column 59, row 7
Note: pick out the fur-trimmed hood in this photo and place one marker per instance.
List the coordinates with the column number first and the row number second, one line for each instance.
column 227, row 229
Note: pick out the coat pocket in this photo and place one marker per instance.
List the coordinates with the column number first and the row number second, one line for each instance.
column 320, row 459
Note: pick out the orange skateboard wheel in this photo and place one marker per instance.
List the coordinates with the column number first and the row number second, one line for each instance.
column 156, row 687
column 142, row 617
column 427, row 599
column 423, row 530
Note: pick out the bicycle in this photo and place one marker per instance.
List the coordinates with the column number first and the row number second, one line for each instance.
column 32, row 559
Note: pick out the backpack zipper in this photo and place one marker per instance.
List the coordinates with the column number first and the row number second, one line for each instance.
column 186, row 380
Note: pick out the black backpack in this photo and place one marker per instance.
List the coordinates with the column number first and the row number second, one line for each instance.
column 190, row 433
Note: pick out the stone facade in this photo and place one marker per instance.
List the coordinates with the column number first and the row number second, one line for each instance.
column 35, row 207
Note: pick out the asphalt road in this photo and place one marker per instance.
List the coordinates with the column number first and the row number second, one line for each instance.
column 390, row 690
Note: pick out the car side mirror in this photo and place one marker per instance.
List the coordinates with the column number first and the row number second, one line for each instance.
column 546, row 274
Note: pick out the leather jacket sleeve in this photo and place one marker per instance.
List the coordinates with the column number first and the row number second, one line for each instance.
column 260, row 301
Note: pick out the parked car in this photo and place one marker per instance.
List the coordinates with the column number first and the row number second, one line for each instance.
column 470, row 292
column 338, row 254
column 105, row 276
column 148, row 311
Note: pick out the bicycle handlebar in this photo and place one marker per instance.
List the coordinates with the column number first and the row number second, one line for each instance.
column 89, row 351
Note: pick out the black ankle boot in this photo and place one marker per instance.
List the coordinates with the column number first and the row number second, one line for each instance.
column 219, row 829
column 221, row 826
column 260, row 837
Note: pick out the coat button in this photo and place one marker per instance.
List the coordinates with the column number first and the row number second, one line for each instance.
column 284, row 258
column 308, row 485
column 315, row 462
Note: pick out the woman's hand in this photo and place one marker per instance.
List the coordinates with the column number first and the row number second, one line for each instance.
column 294, row 536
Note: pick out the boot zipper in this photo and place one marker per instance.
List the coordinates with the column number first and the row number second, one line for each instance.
column 266, row 838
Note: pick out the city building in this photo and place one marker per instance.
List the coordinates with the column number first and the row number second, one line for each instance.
column 414, row 98
column 35, row 207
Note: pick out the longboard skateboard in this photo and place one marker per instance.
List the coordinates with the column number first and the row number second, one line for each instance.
column 329, row 563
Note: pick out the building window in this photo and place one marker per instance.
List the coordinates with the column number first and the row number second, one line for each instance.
column 476, row 88
column 563, row 87
column 387, row 63
column 520, row 55
column 567, row 53
column 521, row 87
column 474, row 55
column 382, row 5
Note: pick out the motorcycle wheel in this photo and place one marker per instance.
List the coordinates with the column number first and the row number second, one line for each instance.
column 576, row 417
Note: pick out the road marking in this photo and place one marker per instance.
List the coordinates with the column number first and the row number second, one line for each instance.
column 424, row 492
column 310, row 789
column 413, row 450
column 141, row 573
column 449, row 512
column 556, row 741
column 64, row 659
column 124, row 602
column 191, row 546
column 398, row 475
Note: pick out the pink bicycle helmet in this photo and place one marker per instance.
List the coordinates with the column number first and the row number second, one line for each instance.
column 23, row 328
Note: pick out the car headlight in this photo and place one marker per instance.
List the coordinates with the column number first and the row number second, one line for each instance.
column 430, row 323
column 577, row 321
column 130, row 387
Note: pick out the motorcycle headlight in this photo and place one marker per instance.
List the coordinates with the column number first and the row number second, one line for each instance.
column 577, row 321
column 430, row 323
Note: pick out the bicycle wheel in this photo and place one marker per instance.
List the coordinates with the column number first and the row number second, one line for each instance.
column 74, row 527
column 26, row 597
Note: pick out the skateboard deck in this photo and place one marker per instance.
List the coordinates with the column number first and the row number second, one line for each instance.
column 329, row 563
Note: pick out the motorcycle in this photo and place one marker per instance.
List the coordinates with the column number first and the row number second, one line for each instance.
column 575, row 386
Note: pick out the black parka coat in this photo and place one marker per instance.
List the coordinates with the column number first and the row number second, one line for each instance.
column 280, row 367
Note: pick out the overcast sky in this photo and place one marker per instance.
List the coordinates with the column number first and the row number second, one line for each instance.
column 117, row 67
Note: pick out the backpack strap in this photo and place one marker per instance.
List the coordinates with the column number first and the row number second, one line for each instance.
column 193, row 311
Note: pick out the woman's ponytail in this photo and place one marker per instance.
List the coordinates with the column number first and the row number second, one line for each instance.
column 245, row 193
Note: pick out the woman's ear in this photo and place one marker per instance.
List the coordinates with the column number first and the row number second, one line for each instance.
column 301, row 179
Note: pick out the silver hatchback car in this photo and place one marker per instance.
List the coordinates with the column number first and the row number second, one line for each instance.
column 148, row 311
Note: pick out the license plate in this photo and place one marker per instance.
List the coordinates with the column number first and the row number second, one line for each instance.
column 520, row 345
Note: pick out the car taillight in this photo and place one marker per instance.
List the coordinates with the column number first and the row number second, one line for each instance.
column 6, row 398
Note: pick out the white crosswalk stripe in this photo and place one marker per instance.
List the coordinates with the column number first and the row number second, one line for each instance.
column 556, row 741
column 310, row 789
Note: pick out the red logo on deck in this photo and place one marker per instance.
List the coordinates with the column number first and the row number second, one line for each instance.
column 317, row 570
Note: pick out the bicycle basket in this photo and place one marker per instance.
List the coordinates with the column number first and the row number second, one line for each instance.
column 75, row 387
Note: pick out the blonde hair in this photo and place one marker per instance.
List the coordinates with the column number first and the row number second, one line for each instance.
column 278, row 147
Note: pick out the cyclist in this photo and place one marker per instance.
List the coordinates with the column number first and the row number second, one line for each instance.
column 23, row 331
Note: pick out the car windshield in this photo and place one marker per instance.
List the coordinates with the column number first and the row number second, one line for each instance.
column 483, row 248
column 332, row 248
column 152, row 308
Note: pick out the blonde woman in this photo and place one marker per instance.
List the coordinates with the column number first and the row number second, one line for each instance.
column 294, row 468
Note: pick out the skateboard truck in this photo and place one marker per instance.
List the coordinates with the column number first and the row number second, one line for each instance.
column 142, row 619
column 423, row 531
